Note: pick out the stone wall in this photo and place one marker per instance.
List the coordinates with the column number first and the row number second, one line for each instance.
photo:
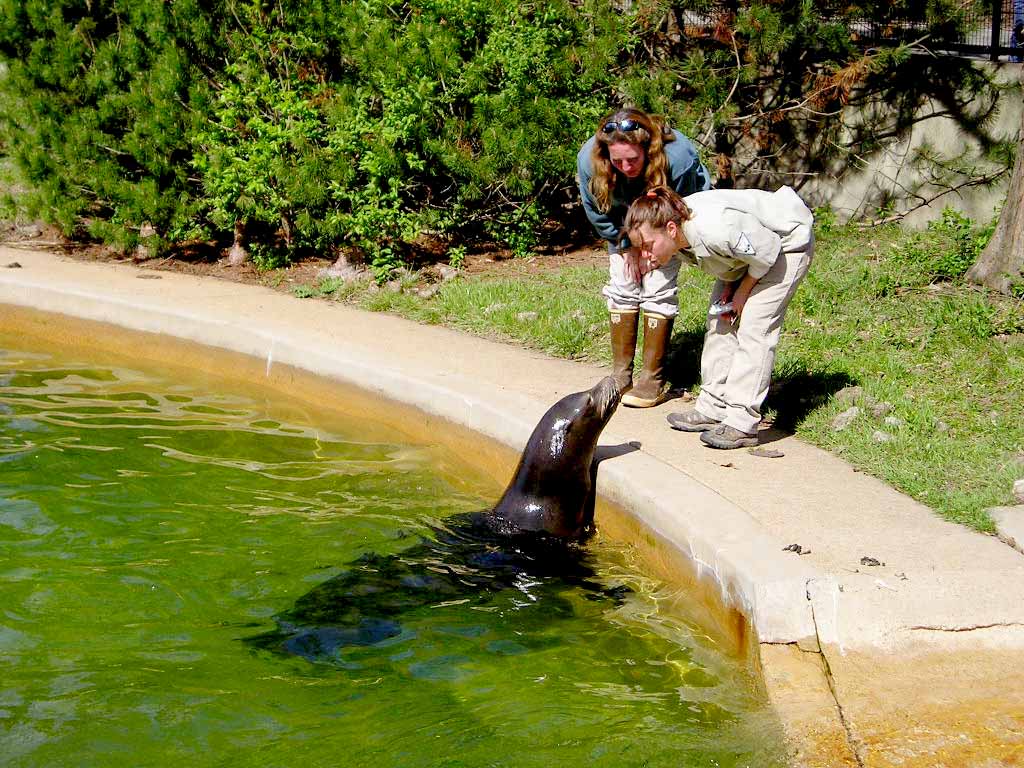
column 857, row 186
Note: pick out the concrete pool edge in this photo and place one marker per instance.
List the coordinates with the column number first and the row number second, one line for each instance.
column 796, row 607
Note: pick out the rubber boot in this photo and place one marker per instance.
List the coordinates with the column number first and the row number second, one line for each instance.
column 623, row 325
column 650, row 385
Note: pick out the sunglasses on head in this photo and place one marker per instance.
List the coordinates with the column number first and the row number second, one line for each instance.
column 627, row 125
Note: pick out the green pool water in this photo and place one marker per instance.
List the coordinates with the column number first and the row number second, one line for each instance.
column 150, row 528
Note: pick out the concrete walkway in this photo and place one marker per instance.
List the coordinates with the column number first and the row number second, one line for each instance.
column 918, row 661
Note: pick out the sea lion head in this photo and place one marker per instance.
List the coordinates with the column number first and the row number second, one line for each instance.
column 551, row 489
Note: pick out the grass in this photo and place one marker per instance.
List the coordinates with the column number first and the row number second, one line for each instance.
column 882, row 309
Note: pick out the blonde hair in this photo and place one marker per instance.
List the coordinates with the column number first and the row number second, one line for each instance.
column 652, row 134
column 657, row 207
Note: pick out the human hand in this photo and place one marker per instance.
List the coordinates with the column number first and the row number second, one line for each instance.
column 631, row 264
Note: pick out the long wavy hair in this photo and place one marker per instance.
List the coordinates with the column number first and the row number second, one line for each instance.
column 657, row 207
column 652, row 135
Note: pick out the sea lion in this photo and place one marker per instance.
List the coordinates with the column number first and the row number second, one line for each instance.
column 526, row 543
column 553, row 486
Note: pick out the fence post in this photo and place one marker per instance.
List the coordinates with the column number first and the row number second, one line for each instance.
column 997, row 24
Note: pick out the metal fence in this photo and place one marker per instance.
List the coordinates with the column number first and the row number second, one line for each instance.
column 992, row 28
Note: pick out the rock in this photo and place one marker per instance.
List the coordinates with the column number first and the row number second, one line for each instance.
column 29, row 231
column 894, row 421
column 878, row 410
column 429, row 291
column 941, row 426
column 844, row 419
column 849, row 395
column 870, row 561
column 395, row 286
column 14, row 265
column 882, row 437
column 447, row 272
column 492, row 308
column 1018, row 490
column 344, row 270
column 1009, row 525
column 526, row 317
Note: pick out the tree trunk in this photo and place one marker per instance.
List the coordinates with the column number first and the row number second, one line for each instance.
column 238, row 255
column 1001, row 265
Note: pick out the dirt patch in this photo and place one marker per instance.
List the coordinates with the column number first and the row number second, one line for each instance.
column 210, row 261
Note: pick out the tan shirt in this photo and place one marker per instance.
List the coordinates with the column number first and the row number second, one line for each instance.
column 734, row 232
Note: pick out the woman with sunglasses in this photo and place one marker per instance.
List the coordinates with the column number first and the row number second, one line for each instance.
column 758, row 245
column 629, row 152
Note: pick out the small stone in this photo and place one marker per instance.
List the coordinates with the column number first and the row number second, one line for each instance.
column 871, row 561
column 849, row 395
column 882, row 437
column 878, row 410
column 844, row 419
column 894, row 421
column 428, row 292
column 793, row 548
column 526, row 317
column 766, row 453
column 492, row 308
column 1018, row 490
column 941, row 426
column 395, row 286
column 14, row 265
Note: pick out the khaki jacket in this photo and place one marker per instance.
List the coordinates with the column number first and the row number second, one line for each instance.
column 738, row 231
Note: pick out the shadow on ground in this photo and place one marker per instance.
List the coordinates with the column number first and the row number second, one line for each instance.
column 795, row 391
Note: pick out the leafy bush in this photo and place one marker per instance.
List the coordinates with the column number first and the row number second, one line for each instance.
column 97, row 101
column 310, row 125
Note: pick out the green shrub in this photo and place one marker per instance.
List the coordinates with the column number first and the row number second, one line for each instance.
column 97, row 101
column 312, row 125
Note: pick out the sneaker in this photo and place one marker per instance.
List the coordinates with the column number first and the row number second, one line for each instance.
column 691, row 421
column 726, row 437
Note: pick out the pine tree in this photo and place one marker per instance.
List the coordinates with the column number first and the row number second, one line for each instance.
column 97, row 104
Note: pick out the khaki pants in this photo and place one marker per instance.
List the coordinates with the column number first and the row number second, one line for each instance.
column 655, row 293
column 736, row 364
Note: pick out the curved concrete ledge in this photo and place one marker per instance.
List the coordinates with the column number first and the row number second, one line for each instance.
column 725, row 545
column 834, row 635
